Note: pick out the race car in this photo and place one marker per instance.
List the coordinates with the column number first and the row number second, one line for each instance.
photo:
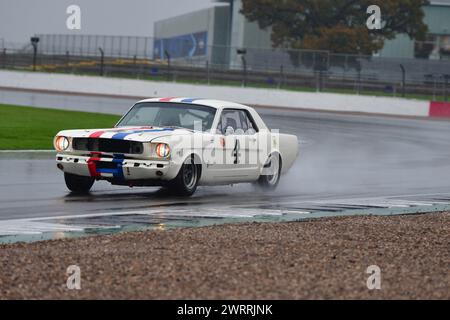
column 177, row 143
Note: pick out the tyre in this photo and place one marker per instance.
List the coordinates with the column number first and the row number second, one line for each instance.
column 186, row 181
column 269, row 181
column 78, row 184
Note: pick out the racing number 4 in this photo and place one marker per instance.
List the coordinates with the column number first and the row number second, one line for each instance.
column 236, row 151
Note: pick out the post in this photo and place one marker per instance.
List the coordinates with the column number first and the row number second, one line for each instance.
column 244, row 64
column 167, row 54
column 4, row 58
column 120, row 46
column 102, row 61
column 321, row 64
column 446, row 78
column 34, row 42
column 359, row 70
column 207, row 72
column 67, row 60
column 145, row 47
column 434, row 87
column 359, row 80
column 280, row 83
column 403, row 80
column 320, row 80
column 242, row 53
column 34, row 57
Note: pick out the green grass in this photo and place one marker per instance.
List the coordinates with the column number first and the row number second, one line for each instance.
column 23, row 128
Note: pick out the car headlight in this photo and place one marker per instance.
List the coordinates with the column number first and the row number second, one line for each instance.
column 61, row 143
column 162, row 150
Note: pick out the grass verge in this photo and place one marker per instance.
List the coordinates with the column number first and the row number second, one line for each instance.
column 34, row 128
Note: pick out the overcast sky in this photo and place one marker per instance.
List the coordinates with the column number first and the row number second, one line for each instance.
column 19, row 19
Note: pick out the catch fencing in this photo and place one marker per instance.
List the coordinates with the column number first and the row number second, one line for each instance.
column 307, row 70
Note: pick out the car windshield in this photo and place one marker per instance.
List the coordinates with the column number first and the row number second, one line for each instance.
column 164, row 114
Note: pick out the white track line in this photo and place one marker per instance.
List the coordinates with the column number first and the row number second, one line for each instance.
column 16, row 227
column 35, row 226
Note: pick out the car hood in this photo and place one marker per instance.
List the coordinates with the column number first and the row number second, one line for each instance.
column 141, row 134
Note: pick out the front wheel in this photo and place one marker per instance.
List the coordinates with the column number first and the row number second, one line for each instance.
column 271, row 173
column 78, row 184
column 186, row 181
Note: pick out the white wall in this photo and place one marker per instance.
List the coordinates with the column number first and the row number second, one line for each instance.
column 251, row 96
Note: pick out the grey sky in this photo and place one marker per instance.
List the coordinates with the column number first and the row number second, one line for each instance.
column 21, row 18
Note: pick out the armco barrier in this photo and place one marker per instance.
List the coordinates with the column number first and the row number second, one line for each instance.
column 251, row 96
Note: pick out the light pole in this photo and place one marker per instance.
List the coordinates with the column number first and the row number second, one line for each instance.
column 34, row 43
column 242, row 53
column 102, row 61
column 403, row 80
column 167, row 54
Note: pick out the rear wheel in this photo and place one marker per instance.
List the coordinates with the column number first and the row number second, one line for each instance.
column 271, row 177
column 187, row 179
column 78, row 184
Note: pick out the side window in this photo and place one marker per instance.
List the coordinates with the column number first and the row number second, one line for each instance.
column 237, row 122
column 229, row 120
column 248, row 125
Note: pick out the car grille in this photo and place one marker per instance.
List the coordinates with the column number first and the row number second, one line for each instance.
column 107, row 145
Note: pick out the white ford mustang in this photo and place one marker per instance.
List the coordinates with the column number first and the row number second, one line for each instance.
column 178, row 143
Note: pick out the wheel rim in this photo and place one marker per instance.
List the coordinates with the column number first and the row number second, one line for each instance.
column 190, row 174
column 274, row 169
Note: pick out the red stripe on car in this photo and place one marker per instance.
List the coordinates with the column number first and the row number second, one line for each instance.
column 92, row 165
column 96, row 134
column 166, row 99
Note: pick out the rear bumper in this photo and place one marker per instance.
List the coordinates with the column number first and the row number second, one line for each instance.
column 106, row 168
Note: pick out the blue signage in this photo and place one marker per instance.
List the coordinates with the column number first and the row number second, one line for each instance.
column 185, row 46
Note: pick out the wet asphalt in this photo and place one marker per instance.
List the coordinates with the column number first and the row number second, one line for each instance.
column 341, row 156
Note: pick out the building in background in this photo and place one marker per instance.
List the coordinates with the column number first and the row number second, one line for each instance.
column 198, row 36
column 238, row 33
column 216, row 33
column 437, row 43
column 222, row 29
column 215, row 42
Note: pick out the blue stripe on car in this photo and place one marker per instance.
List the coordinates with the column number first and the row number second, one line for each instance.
column 190, row 100
column 118, row 159
column 118, row 171
column 104, row 170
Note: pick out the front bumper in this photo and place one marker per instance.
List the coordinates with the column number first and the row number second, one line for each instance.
column 117, row 168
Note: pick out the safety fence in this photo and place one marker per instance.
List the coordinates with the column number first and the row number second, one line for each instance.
column 135, row 57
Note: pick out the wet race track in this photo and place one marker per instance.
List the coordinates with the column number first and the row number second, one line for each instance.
column 348, row 164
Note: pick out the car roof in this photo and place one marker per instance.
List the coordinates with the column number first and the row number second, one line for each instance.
column 199, row 101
